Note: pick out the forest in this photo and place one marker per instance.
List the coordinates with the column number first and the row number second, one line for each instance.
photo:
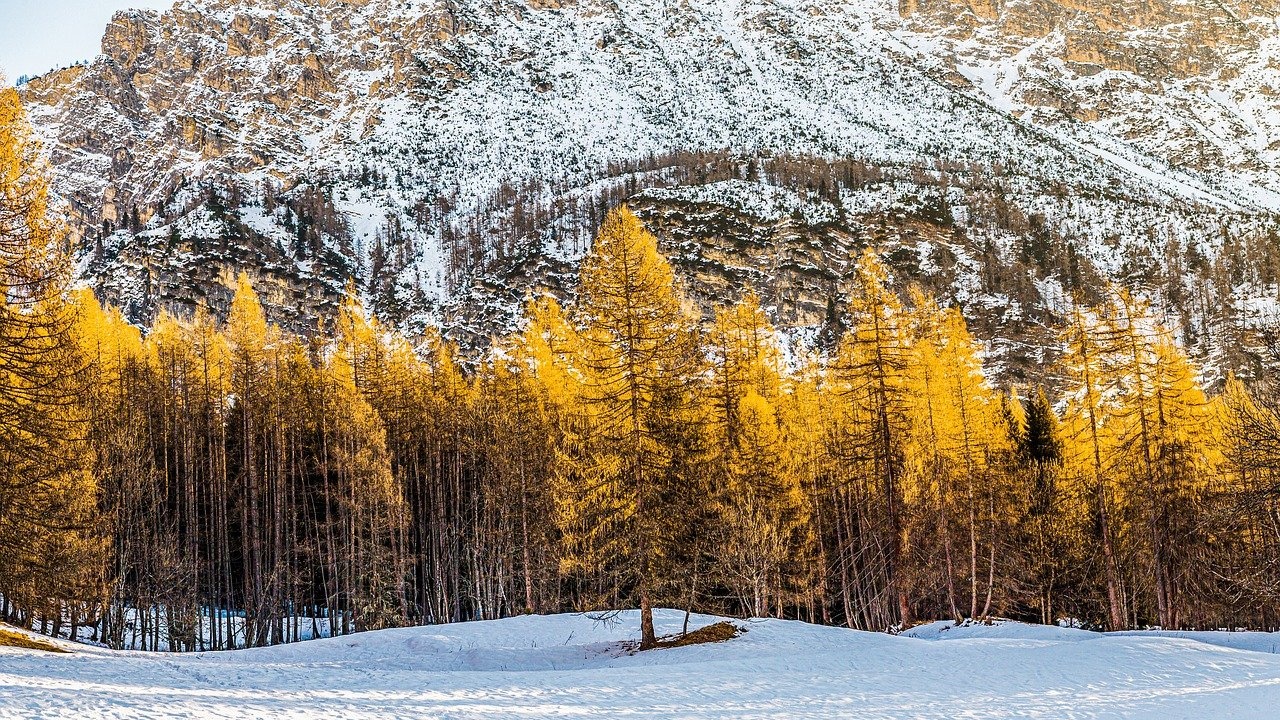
column 211, row 483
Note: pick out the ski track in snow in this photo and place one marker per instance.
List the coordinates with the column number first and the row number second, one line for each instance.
column 572, row 666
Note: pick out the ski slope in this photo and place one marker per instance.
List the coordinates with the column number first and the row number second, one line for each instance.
column 572, row 666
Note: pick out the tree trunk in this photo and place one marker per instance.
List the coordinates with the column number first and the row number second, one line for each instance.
column 1116, row 611
column 647, row 638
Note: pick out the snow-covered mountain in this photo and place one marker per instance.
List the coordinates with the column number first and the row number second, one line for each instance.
column 452, row 154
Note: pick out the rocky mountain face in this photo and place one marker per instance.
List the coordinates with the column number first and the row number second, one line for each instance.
column 452, row 155
column 1193, row 83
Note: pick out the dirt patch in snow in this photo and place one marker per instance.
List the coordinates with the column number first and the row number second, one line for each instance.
column 12, row 637
column 714, row 633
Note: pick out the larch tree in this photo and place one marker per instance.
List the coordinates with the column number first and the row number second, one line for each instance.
column 192, row 362
column 1163, row 430
column 123, row 464
column 367, row 517
column 806, row 409
column 744, row 355
column 1188, row 442
column 763, row 510
column 637, row 360
column 47, row 494
column 547, row 350
column 1087, row 364
column 516, row 537
column 253, row 344
column 536, row 394
column 212, row 484
column 440, row 485
column 975, row 438
column 872, row 368
column 953, row 448
column 390, row 515
column 1250, row 502
column 932, row 470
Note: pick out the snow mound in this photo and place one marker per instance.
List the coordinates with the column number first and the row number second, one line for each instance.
column 1009, row 630
column 998, row 630
column 575, row 666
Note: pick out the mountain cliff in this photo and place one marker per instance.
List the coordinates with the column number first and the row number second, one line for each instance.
column 451, row 155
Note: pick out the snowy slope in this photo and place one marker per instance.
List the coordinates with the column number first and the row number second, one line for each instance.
column 571, row 666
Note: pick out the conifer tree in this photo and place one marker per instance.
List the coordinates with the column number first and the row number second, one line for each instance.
column 808, row 411
column 416, row 505
column 1250, row 443
column 927, row 464
column 193, row 362
column 517, row 534
column 439, row 485
column 955, row 442
column 547, row 350
column 47, row 495
column 637, row 360
column 1162, row 428
column 763, row 509
column 745, row 356
column 123, row 461
column 368, row 521
column 252, row 344
column 1047, row 536
column 213, row 485
column 1087, row 362
column 549, row 424
column 872, row 368
column 976, row 439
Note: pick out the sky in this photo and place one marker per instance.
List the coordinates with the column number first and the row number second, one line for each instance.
column 39, row 35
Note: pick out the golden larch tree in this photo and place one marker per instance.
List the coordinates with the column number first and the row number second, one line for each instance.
column 637, row 360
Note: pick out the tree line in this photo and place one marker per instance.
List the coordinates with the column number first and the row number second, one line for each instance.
column 215, row 484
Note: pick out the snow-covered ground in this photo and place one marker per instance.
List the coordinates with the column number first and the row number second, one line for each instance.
column 572, row 666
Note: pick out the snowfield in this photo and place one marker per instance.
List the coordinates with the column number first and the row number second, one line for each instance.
column 572, row 666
